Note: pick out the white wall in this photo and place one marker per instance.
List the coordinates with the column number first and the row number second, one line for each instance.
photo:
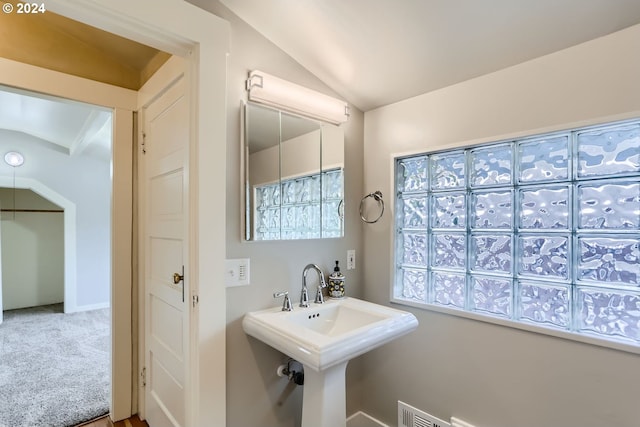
column 32, row 251
column 86, row 181
column 490, row 375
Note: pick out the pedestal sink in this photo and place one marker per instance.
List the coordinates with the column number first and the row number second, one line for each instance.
column 324, row 337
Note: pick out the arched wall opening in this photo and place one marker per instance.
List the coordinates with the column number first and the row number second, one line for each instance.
column 70, row 258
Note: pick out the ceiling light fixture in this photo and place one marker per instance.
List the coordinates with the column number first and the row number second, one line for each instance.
column 276, row 92
column 14, row 159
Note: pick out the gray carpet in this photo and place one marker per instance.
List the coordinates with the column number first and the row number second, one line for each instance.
column 54, row 367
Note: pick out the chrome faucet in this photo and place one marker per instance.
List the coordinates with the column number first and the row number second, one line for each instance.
column 304, row 296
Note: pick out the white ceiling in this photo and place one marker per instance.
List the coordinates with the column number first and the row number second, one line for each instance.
column 376, row 52
column 71, row 126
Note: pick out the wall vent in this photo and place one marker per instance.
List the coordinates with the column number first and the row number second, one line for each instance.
column 408, row 416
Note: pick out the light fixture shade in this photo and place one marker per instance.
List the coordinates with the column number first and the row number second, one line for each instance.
column 13, row 158
column 276, row 92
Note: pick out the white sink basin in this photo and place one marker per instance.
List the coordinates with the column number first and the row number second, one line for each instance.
column 324, row 335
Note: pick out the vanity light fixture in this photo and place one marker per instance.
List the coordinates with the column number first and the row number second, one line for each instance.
column 266, row 89
column 14, row 159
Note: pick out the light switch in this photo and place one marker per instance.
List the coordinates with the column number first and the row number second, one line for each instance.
column 237, row 272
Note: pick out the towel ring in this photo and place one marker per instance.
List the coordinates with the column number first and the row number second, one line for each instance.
column 377, row 195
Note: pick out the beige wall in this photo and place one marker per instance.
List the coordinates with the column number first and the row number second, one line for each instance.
column 32, row 251
column 490, row 375
column 300, row 156
column 255, row 395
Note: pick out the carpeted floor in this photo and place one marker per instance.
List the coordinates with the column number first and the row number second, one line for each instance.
column 54, row 367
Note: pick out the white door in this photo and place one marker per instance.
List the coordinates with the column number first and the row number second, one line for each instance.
column 165, row 125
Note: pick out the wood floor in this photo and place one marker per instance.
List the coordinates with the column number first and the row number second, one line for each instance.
column 106, row 422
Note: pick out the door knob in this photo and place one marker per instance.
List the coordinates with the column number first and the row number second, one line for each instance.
column 177, row 278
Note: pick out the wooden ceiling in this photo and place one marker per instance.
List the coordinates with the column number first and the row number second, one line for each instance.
column 55, row 42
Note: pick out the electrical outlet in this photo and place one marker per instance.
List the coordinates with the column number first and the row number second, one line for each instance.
column 236, row 272
column 351, row 259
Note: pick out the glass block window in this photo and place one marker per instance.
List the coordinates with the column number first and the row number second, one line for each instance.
column 543, row 230
column 306, row 207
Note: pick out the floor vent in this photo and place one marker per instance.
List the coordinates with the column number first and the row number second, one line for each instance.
column 408, row 416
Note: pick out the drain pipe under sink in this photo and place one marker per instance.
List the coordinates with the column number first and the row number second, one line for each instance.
column 292, row 370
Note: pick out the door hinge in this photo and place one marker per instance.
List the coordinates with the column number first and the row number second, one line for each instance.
column 195, row 300
column 144, row 143
column 143, row 377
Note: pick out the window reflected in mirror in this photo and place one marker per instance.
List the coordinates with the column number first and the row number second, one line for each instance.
column 294, row 176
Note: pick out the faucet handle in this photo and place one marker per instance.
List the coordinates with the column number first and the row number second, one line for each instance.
column 286, row 304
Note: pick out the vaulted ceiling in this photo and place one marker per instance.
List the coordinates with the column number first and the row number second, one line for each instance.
column 376, row 52
column 371, row 52
column 70, row 126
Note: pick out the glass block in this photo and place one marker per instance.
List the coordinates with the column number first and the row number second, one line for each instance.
column 449, row 250
column 273, row 217
column 492, row 210
column 414, row 249
column 609, row 206
column 267, row 223
column 272, row 195
column 331, row 220
column 414, row 174
column 544, row 208
column 263, row 197
column 609, row 259
column 414, row 284
column 288, row 217
column 414, row 212
column 609, row 312
column 544, row 256
column 611, row 151
column 492, row 295
column 447, row 171
column 448, row 289
column 304, row 190
column 544, row 303
column 544, row 159
column 332, row 184
column 449, row 210
column 491, row 165
column 315, row 190
column 288, row 192
column 307, row 219
column 491, row 253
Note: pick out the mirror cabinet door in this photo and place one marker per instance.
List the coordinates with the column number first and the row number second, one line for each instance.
column 289, row 194
column 262, row 173
column 300, row 178
column 332, row 161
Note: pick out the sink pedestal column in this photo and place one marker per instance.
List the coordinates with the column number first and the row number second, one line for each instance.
column 324, row 397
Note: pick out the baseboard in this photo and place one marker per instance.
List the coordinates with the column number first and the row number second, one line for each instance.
column 360, row 419
column 89, row 307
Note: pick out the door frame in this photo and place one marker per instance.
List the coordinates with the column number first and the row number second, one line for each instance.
column 203, row 39
column 122, row 102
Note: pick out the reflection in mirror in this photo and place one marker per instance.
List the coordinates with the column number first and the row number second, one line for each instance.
column 293, row 176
